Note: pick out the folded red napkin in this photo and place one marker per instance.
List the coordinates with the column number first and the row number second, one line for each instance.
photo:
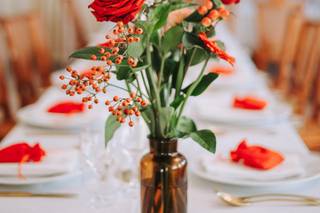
column 223, row 70
column 256, row 156
column 249, row 102
column 21, row 152
column 67, row 107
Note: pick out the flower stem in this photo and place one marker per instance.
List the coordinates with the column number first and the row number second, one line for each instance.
column 192, row 88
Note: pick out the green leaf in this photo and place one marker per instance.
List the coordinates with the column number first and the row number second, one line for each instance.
column 172, row 38
column 211, row 32
column 156, row 59
column 190, row 40
column 177, row 101
column 123, row 72
column 217, row 3
column 199, row 56
column 140, row 67
column 165, row 117
column 86, row 53
column 194, row 17
column 185, row 127
column 148, row 117
column 159, row 16
column 205, row 138
column 135, row 49
column 110, row 127
column 205, row 81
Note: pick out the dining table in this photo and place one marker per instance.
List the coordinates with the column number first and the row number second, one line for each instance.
column 202, row 197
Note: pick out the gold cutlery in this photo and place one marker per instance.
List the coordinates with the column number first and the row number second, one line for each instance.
column 246, row 200
column 44, row 195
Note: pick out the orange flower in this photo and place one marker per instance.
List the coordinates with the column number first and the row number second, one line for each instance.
column 214, row 48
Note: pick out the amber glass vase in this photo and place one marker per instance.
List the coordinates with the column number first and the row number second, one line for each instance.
column 163, row 179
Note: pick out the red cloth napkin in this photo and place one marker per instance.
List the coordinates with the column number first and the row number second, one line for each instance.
column 222, row 70
column 22, row 152
column 67, row 107
column 256, row 156
column 249, row 102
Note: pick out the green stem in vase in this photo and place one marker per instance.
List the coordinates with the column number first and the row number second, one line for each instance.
column 191, row 89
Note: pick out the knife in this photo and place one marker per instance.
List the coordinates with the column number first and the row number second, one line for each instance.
column 30, row 194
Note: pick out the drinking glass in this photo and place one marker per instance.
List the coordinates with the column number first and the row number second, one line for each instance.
column 98, row 169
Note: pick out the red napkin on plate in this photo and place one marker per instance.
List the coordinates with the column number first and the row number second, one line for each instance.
column 22, row 152
column 223, row 70
column 249, row 102
column 256, row 156
column 67, row 107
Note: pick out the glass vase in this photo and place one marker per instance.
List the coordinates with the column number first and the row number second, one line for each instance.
column 163, row 179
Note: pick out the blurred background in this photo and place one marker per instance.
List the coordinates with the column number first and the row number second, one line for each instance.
column 281, row 36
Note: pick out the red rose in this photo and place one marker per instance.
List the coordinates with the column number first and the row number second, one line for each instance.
column 115, row 10
column 230, row 1
column 214, row 48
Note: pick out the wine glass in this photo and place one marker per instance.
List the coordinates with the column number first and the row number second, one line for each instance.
column 132, row 143
column 98, row 168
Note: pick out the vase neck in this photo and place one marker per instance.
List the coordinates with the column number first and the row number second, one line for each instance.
column 163, row 147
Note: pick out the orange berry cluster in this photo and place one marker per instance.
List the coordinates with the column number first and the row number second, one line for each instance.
column 94, row 81
column 122, row 36
column 124, row 108
column 211, row 15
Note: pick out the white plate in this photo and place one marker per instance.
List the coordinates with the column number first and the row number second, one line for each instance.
column 37, row 180
column 311, row 165
column 217, row 107
column 38, row 116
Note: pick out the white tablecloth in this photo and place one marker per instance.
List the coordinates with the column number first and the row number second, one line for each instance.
column 201, row 196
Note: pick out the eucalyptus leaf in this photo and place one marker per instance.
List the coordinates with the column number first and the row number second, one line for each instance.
column 205, row 138
column 111, row 126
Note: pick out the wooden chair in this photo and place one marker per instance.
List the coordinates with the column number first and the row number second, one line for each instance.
column 305, row 69
column 272, row 19
column 290, row 43
column 29, row 55
column 6, row 119
column 306, row 86
column 75, row 17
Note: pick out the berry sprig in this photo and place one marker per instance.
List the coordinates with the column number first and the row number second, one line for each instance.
column 125, row 108
column 92, row 82
column 211, row 14
column 114, row 49
column 95, row 81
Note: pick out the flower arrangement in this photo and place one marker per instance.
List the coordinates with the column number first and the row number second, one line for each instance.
column 151, row 48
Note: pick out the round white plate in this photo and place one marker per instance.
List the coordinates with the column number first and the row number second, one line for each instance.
column 37, row 180
column 218, row 108
column 36, row 115
column 311, row 166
